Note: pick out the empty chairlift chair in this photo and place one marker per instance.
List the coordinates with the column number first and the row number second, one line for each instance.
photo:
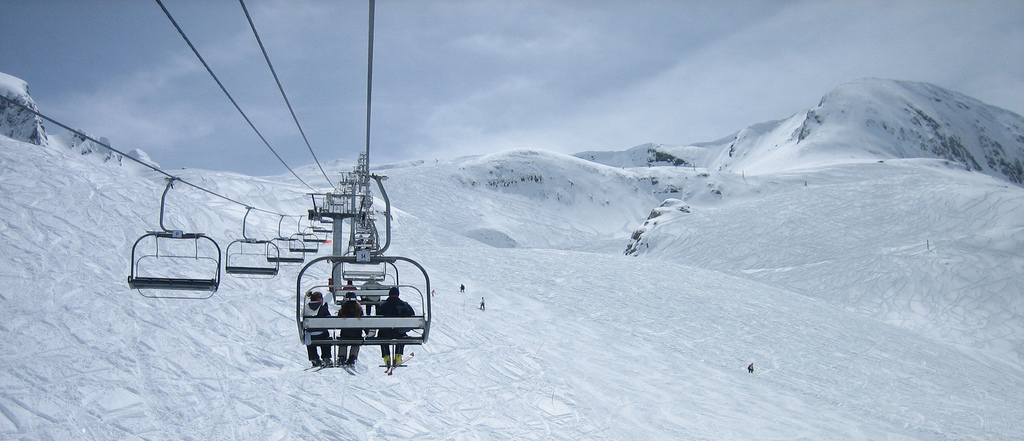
column 253, row 258
column 302, row 243
column 310, row 235
column 287, row 256
column 174, row 263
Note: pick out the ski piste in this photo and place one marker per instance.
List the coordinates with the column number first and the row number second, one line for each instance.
column 391, row 369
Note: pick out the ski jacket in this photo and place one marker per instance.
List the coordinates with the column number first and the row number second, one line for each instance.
column 351, row 309
column 395, row 307
column 316, row 309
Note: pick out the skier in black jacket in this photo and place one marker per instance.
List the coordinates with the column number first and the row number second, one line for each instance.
column 393, row 307
column 349, row 309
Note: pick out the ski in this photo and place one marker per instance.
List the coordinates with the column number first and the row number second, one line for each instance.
column 391, row 369
column 322, row 366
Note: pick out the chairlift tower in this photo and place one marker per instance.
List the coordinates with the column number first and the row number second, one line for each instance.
column 362, row 260
column 364, row 254
column 352, row 200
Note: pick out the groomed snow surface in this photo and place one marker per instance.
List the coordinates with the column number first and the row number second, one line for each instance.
column 578, row 341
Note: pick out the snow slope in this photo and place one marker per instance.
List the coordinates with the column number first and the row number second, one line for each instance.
column 878, row 298
column 910, row 242
column 573, row 344
column 530, row 198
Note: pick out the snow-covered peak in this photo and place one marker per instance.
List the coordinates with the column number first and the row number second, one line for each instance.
column 874, row 119
column 12, row 86
column 864, row 120
column 903, row 119
column 142, row 157
column 647, row 155
column 23, row 125
column 15, row 122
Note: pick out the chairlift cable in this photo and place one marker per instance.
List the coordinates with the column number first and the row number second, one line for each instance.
column 124, row 155
column 283, row 95
column 222, row 88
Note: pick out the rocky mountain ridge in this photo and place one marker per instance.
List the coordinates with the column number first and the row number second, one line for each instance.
column 865, row 120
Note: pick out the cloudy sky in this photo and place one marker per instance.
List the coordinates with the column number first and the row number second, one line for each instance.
column 454, row 78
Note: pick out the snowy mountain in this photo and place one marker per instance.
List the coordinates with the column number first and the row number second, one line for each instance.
column 820, row 167
column 865, row 120
column 648, row 155
column 876, row 300
column 15, row 122
column 23, row 125
column 557, row 201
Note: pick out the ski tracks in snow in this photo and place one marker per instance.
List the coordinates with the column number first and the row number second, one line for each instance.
column 571, row 346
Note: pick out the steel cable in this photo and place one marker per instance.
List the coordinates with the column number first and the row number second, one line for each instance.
column 222, row 88
column 283, row 95
column 149, row 166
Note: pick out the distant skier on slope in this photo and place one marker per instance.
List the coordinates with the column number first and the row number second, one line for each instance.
column 317, row 308
column 393, row 307
column 482, row 307
column 462, row 288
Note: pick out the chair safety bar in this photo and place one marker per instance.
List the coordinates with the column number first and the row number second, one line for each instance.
column 173, row 284
column 251, row 270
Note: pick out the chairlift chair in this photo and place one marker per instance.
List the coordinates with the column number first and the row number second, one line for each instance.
column 372, row 281
column 254, row 258
column 163, row 269
column 249, row 257
column 257, row 259
column 416, row 328
column 288, row 256
column 174, row 261
column 298, row 244
column 295, row 250
column 319, row 228
column 309, row 235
